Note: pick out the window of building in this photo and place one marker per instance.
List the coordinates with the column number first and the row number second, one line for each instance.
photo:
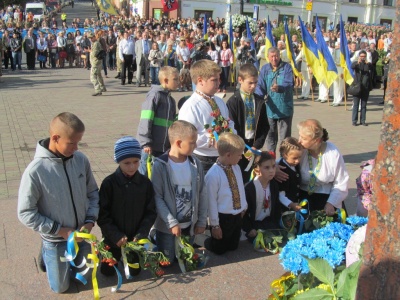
column 386, row 22
column 283, row 18
column 388, row 2
column 354, row 1
column 352, row 19
column 201, row 13
column 158, row 13
column 322, row 22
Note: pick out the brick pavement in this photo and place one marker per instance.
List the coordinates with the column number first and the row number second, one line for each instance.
column 28, row 101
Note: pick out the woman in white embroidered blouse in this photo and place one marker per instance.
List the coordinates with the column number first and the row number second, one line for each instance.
column 226, row 60
column 324, row 178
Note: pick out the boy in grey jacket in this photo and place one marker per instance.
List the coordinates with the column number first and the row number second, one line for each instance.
column 180, row 195
column 58, row 195
column 158, row 113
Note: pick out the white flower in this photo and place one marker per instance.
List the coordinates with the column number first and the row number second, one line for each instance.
column 240, row 20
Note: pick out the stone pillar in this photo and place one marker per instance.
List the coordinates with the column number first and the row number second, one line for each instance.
column 380, row 272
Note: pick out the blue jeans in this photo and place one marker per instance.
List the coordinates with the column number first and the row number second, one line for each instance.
column 58, row 272
column 17, row 57
column 154, row 75
column 105, row 65
column 166, row 243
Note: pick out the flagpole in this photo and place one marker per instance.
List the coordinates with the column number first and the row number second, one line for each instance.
column 311, row 87
column 345, row 96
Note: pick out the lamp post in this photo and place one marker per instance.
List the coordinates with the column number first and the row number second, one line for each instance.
column 241, row 6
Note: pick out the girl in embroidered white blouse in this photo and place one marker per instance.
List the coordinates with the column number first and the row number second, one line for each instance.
column 324, row 178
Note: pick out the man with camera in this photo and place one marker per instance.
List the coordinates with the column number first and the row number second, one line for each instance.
column 246, row 55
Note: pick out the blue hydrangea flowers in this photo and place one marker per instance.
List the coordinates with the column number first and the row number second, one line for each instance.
column 328, row 243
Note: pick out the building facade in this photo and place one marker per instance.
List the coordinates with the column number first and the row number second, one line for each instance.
column 360, row 11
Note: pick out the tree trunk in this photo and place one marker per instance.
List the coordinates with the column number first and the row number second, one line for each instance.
column 380, row 272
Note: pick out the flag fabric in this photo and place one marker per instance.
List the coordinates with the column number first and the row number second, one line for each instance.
column 252, row 45
column 289, row 50
column 105, row 5
column 205, row 29
column 311, row 53
column 325, row 57
column 269, row 39
column 345, row 63
column 169, row 5
column 230, row 33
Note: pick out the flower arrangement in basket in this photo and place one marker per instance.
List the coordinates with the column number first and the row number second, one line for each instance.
column 240, row 21
column 188, row 259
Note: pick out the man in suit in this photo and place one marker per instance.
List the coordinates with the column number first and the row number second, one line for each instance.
column 220, row 37
column 142, row 49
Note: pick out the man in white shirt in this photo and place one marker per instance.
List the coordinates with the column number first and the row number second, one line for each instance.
column 126, row 53
column 387, row 42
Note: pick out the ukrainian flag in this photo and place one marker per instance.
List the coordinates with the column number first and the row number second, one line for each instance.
column 252, row 45
column 290, row 53
column 311, row 53
column 106, row 6
column 269, row 39
column 325, row 57
column 205, row 33
column 345, row 63
column 233, row 49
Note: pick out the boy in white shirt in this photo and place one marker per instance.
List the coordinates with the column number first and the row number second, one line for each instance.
column 198, row 109
column 226, row 196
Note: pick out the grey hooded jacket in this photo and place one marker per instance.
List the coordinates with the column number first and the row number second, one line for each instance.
column 164, row 188
column 57, row 192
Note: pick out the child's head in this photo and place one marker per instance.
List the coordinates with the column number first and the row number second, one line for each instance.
column 205, row 74
column 169, row 78
column 230, row 147
column 182, row 137
column 291, row 151
column 127, row 154
column 154, row 46
column 66, row 131
column 265, row 165
column 248, row 76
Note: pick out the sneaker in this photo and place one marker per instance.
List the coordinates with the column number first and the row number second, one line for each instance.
column 364, row 124
column 40, row 261
column 185, row 89
column 179, row 90
column 97, row 94
column 104, row 89
column 335, row 104
column 324, row 101
column 355, row 124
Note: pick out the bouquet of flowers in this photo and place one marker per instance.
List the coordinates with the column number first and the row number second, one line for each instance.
column 188, row 259
column 218, row 125
column 240, row 21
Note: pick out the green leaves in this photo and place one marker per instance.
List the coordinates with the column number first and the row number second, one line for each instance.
column 347, row 283
column 315, row 294
column 322, row 270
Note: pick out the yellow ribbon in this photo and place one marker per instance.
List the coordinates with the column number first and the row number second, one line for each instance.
column 148, row 165
column 342, row 215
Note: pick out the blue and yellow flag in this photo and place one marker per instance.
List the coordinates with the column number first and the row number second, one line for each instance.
column 230, row 33
column 205, row 29
column 269, row 39
column 252, row 45
column 311, row 53
column 289, row 50
column 325, row 57
column 106, row 6
column 233, row 49
column 345, row 63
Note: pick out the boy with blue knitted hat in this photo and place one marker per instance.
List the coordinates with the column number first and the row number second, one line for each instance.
column 127, row 207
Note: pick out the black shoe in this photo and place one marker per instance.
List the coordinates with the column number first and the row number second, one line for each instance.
column 364, row 124
column 40, row 261
column 97, row 94
column 382, row 102
column 118, row 76
column 123, row 83
column 129, row 82
column 355, row 124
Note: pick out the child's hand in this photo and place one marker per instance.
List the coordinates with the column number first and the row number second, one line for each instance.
column 122, row 241
column 176, row 230
column 199, row 230
column 252, row 233
column 87, row 227
column 64, row 232
column 147, row 150
column 294, row 206
column 216, row 233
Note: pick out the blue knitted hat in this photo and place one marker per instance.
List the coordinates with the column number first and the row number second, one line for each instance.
column 126, row 147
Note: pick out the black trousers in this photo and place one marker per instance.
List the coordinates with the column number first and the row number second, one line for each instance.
column 131, row 257
column 8, row 58
column 206, row 161
column 30, row 59
column 127, row 65
column 231, row 226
